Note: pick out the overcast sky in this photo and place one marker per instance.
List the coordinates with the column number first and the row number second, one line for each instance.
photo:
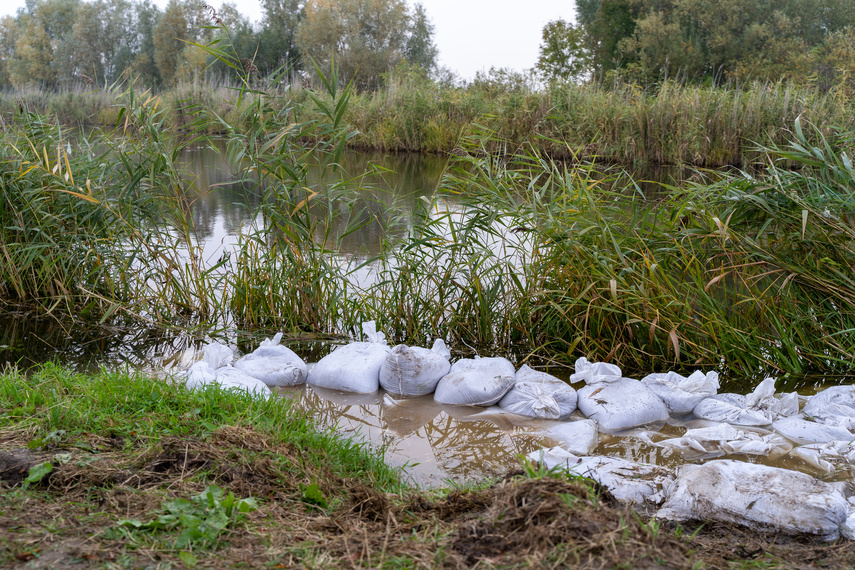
column 471, row 35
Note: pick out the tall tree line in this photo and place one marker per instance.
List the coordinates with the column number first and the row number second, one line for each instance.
column 54, row 43
column 710, row 41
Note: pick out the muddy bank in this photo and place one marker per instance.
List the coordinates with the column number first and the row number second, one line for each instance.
column 72, row 515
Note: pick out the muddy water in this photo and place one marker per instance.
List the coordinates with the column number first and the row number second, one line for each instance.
column 438, row 444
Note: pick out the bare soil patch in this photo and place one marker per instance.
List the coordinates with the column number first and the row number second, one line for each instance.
column 69, row 519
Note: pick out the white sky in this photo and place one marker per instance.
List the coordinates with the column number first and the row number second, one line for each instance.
column 472, row 35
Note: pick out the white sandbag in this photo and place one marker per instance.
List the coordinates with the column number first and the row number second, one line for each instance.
column 413, row 370
column 759, row 408
column 595, row 372
column 202, row 374
column 681, row 394
column 476, row 382
column 528, row 374
column 621, row 404
column 763, row 498
column 217, row 355
column 274, row 364
column 813, row 457
column 627, row 481
column 847, row 529
column 803, row 431
column 579, row 437
column 354, row 367
column 543, row 397
column 730, row 408
column 231, row 377
column 833, row 406
column 704, row 440
column 771, row 445
column 825, row 456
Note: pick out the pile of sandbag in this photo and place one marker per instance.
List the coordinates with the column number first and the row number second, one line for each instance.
column 215, row 369
column 681, row 394
column 759, row 408
column 726, row 439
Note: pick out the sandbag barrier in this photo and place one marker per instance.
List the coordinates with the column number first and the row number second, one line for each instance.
column 761, row 423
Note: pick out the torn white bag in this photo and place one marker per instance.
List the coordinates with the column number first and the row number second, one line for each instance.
column 756, row 496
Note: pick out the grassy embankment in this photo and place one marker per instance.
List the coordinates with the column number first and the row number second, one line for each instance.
column 747, row 274
column 676, row 124
column 118, row 470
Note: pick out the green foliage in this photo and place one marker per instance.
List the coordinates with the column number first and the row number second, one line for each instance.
column 710, row 40
column 37, row 473
column 562, row 53
column 200, row 520
column 313, row 496
column 365, row 38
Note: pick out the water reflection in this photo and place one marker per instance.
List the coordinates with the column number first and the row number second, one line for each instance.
column 383, row 191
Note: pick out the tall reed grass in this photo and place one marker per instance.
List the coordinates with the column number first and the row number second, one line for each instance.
column 538, row 256
column 676, row 124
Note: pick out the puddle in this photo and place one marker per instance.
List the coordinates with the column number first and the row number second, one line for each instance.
column 440, row 445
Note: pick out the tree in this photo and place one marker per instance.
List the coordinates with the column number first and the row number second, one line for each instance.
column 364, row 36
column 144, row 64
column 8, row 39
column 277, row 41
column 605, row 24
column 33, row 55
column 169, row 36
column 562, row 53
column 420, row 49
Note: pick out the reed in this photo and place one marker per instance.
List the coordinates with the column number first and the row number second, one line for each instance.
column 539, row 257
column 675, row 123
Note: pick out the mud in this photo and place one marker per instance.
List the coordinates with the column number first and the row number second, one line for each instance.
column 67, row 518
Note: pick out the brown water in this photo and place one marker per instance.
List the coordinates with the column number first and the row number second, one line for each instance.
column 438, row 445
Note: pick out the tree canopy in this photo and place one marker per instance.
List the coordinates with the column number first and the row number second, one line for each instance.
column 716, row 40
column 51, row 43
column 365, row 38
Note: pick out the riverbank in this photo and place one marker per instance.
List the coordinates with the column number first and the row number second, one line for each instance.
column 130, row 457
column 676, row 124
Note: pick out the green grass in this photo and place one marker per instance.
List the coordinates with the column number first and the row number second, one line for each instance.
column 55, row 406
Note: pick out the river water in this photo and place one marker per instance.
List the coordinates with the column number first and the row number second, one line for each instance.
column 434, row 444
